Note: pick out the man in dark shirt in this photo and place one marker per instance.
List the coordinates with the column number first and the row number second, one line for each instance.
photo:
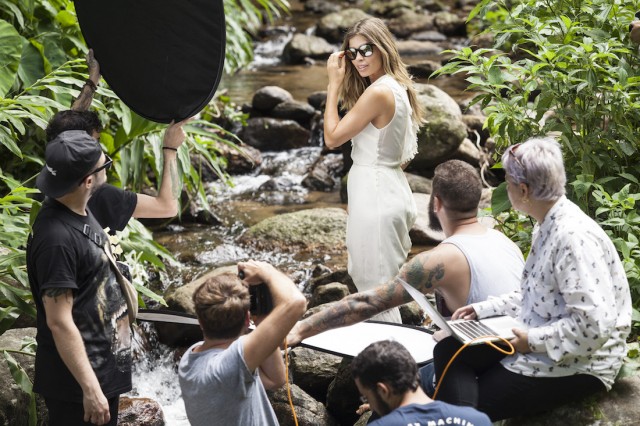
column 83, row 360
column 387, row 377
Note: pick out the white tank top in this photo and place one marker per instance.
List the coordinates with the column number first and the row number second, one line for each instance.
column 495, row 262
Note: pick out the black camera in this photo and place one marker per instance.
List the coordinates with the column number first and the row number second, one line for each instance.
column 261, row 302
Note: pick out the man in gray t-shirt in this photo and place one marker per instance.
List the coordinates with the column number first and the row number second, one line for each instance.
column 223, row 378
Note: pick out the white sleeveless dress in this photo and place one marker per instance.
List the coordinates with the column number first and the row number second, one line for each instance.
column 381, row 206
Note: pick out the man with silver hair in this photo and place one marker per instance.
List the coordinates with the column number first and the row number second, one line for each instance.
column 574, row 302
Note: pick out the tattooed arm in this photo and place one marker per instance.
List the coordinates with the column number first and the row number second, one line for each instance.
column 350, row 310
column 361, row 306
column 57, row 306
column 166, row 203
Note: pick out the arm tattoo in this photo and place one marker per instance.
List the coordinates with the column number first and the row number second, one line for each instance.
column 352, row 309
column 435, row 274
column 415, row 271
column 53, row 293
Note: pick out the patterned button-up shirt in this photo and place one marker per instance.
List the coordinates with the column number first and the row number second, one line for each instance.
column 574, row 299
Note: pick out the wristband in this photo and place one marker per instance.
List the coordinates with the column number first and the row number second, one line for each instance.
column 171, row 148
column 91, row 84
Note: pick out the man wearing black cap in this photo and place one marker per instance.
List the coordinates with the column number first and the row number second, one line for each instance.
column 83, row 360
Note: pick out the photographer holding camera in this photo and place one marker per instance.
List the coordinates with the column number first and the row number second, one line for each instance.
column 224, row 377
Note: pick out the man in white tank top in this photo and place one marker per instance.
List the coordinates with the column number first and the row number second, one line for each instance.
column 474, row 262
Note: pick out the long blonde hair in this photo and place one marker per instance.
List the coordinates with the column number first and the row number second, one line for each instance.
column 376, row 32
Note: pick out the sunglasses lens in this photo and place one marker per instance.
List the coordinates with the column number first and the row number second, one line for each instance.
column 351, row 53
column 366, row 50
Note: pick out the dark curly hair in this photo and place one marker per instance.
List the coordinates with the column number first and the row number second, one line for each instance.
column 73, row 120
column 388, row 362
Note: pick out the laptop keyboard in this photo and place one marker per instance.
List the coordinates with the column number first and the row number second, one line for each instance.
column 473, row 329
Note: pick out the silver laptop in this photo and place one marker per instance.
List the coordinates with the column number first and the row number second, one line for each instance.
column 467, row 331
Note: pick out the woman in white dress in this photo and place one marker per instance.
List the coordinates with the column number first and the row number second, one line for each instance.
column 371, row 81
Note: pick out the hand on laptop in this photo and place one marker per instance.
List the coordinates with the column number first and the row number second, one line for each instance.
column 465, row 313
column 521, row 341
column 440, row 334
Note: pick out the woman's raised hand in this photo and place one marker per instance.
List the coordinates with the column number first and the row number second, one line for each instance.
column 336, row 68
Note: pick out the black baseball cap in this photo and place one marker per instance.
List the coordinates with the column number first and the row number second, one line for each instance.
column 69, row 157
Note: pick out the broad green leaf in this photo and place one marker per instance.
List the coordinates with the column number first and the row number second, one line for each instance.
column 19, row 375
column 31, row 64
column 66, row 19
column 500, row 199
column 10, row 53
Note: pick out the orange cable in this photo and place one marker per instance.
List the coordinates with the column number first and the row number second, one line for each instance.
column 498, row 348
column 286, row 372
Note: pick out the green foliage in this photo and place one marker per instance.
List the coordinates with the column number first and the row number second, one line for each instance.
column 21, row 377
column 243, row 18
column 631, row 366
column 15, row 296
column 570, row 70
column 618, row 215
column 566, row 68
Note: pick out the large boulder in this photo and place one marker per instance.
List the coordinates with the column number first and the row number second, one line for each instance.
column 423, row 69
column 139, row 412
column 242, row 160
column 313, row 370
column 267, row 97
column 309, row 412
column 328, row 293
column 343, row 397
column 444, row 131
column 408, row 22
column 324, row 174
column 389, row 7
column 450, row 24
column 419, row 184
column 303, row 46
column 272, row 134
column 334, row 25
column 313, row 230
column 415, row 48
column 321, row 7
column 421, row 233
column 301, row 112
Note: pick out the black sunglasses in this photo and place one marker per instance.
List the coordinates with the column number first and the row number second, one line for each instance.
column 106, row 166
column 365, row 50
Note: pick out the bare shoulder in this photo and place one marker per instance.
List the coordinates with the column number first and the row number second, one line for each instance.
column 449, row 252
column 379, row 93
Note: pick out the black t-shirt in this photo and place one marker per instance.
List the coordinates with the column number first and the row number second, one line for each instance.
column 59, row 256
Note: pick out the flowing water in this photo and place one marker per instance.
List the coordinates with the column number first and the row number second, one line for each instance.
column 201, row 248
